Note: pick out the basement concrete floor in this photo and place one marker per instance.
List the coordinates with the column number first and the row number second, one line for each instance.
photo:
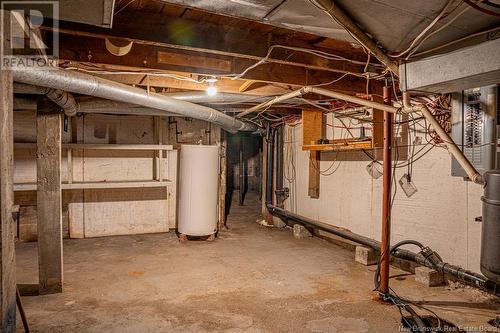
column 251, row 279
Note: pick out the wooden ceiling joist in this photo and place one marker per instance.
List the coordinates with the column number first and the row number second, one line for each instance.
column 89, row 49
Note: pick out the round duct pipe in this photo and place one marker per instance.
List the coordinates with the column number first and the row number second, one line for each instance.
column 86, row 84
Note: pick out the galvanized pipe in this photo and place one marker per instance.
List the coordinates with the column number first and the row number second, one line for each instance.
column 63, row 99
column 198, row 97
column 60, row 97
column 86, row 84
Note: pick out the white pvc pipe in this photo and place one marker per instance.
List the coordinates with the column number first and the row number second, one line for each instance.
column 320, row 91
column 471, row 171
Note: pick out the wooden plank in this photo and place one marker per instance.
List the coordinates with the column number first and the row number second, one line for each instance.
column 158, row 155
column 313, row 129
column 49, row 201
column 77, row 48
column 196, row 61
column 109, row 185
column 223, row 181
column 98, row 146
column 97, row 185
column 70, row 165
column 339, row 146
column 251, row 85
column 172, row 164
column 314, row 174
column 219, row 39
column 377, row 129
column 7, row 226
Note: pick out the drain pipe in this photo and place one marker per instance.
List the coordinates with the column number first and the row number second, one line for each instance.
column 85, row 84
column 426, row 257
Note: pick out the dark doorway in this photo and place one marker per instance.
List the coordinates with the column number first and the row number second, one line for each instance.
column 243, row 166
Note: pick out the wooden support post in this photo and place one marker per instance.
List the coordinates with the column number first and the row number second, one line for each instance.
column 241, row 173
column 313, row 129
column 265, row 174
column 264, row 177
column 7, row 226
column 49, row 203
column 377, row 130
column 223, row 180
column 314, row 174
column 158, row 134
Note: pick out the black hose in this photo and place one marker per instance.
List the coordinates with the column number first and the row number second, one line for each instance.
column 406, row 242
column 376, row 277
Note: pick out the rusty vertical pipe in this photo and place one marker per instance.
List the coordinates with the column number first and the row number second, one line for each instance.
column 386, row 197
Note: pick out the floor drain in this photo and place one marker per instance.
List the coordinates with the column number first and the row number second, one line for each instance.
column 432, row 324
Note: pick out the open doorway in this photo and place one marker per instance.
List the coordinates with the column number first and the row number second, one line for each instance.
column 244, row 156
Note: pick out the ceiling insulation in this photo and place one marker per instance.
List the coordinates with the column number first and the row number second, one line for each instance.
column 394, row 23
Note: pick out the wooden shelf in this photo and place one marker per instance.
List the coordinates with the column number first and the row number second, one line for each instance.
column 98, row 185
column 340, row 145
column 99, row 146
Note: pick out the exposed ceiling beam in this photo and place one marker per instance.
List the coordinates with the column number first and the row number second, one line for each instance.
column 90, row 49
column 137, row 78
column 250, row 85
column 280, row 56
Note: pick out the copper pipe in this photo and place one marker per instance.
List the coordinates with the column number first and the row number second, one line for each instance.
column 386, row 198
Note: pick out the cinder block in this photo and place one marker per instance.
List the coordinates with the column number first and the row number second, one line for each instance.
column 428, row 277
column 300, row 232
column 366, row 256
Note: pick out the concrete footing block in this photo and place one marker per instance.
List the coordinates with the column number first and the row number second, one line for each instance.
column 428, row 277
column 366, row 256
column 300, row 232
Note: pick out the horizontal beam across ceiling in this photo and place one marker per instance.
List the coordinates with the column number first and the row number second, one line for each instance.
column 82, row 48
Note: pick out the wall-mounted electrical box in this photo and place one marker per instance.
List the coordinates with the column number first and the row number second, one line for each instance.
column 476, row 120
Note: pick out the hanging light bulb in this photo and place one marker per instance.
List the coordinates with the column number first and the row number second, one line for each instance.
column 212, row 88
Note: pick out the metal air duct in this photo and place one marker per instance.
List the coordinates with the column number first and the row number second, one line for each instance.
column 86, row 84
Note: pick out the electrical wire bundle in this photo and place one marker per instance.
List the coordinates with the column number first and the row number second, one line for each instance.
column 440, row 107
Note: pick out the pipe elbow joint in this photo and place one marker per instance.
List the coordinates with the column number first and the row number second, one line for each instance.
column 478, row 179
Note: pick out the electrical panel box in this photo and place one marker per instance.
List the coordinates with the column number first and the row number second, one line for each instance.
column 475, row 122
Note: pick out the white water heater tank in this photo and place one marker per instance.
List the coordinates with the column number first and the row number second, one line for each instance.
column 198, row 190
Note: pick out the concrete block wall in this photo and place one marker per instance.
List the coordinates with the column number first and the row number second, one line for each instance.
column 441, row 214
column 101, row 212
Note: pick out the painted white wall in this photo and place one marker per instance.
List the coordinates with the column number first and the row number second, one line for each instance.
column 105, row 212
column 441, row 214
